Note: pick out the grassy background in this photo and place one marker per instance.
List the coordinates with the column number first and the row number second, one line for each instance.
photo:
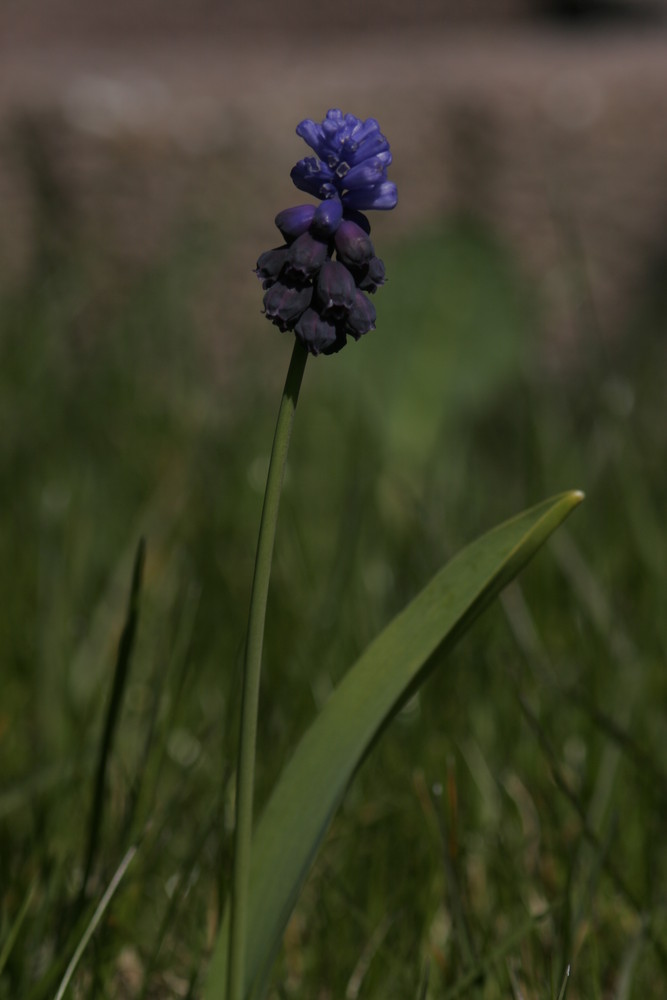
column 512, row 820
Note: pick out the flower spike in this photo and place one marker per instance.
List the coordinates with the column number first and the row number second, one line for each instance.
column 323, row 298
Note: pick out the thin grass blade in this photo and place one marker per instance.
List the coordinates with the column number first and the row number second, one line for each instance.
column 121, row 673
column 97, row 916
column 15, row 930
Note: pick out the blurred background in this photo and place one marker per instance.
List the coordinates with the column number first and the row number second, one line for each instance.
column 540, row 119
column 513, row 819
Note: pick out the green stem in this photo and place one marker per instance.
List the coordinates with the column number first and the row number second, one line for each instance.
column 245, row 774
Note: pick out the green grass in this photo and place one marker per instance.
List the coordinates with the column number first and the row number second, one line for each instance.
column 511, row 820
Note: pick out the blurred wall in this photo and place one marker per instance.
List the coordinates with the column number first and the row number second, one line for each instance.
column 21, row 19
column 554, row 138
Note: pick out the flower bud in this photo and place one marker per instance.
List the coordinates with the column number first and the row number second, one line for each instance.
column 353, row 245
column 270, row 264
column 313, row 176
column 327, row 218
column 366, row 174
column 293, row 221
column 315, row 332
column 371, row 276
column 335, row 287
column 381, row 196
column 359, row 218
column 361, row 317
column 285, row 301
column 306, row 256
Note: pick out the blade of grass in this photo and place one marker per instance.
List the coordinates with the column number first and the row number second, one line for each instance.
column 175, row 901
column 97, row 916
column 157, row 736
column 143, row 792
column 121, row 673
column 495, row 957
column 367, row 955
column 16, row 927
column 610, row 869
column 423, row 986
column 450, row 862
column 624, row 987
column 644, row 761
column 566, row 983
column 25, row 792
column 386, row 675
column 621, row 650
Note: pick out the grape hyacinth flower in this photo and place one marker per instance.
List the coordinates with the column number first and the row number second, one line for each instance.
column 323, row 298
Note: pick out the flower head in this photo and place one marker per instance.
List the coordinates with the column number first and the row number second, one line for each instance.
column 322, row 299
column 351, row 162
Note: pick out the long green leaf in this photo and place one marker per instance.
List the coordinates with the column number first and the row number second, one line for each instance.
column 314, row 781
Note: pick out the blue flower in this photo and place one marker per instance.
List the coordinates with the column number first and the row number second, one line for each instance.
column 351, row 162
column 323, row 298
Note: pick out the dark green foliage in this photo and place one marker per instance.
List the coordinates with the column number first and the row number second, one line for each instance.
column 511, row 820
